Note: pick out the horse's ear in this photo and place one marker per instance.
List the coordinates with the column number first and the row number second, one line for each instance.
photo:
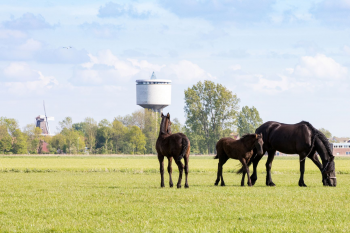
column 168, row 115
column 162, row 115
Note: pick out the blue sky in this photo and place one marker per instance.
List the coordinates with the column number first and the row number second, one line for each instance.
column 289, row 59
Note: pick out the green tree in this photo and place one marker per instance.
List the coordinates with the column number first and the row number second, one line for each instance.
column 67, row 131
column 104, row 134
column 210, row 109
column 90, row 132
column 79, row 126
column 118, row 135
column 10, row 123
column 151, row 130
column 33, row 134
column 137, row 139
column 326, row 132
column 5, row 139
column 19, row 145
column 58, row 142
column 176, row 126
column 248, row 120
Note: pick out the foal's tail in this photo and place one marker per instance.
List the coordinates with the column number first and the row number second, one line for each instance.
column 185, row 145
column 241, row 170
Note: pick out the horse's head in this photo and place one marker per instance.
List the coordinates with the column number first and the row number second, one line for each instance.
column 164, row 126
column 169, row 127
column 259, row 144
column 328, row 173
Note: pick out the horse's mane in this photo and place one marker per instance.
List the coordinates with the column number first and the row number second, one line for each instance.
column 162, row 125
column 247, row 135
column 320, row 135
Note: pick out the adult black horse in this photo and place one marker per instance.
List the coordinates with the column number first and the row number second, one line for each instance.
column 301, row 138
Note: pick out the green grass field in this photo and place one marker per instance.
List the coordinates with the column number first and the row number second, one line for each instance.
column 113, row 194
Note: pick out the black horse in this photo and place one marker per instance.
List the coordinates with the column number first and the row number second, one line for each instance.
column 175, row 146
column 301, row 138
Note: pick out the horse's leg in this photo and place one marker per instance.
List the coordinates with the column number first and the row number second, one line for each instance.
column 161, row 163
column 222, row 161
column 256, row 161
column 314, row 158
column 181, row 168
column 170, row 171
column 244, row 171
column 302, row 170
column 242, row 181
column 268, row 168
column 186, row 170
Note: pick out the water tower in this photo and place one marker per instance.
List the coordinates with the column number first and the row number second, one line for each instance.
column 153, row 93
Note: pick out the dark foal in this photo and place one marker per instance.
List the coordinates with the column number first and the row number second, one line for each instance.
column 241, row 150
column 175, row 146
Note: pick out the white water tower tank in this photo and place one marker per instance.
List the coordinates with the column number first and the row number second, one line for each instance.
column 153, row 93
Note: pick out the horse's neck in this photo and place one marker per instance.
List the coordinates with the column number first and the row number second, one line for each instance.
column 163, row 127
column 248, row 142
column 321, row 150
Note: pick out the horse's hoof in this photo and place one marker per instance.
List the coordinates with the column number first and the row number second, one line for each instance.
column 186, row 186
column 171, row 185
column 179, row 186
column 223, row 184
column 216, row 184
column 253, row 182
column 271, row 184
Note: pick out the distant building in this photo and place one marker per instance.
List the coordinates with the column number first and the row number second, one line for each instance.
column 340, row 148
column 153, row 93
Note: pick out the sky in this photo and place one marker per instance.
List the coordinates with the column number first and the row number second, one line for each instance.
column 290, row 59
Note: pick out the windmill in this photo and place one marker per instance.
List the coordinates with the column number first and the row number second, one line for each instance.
column 42, row 121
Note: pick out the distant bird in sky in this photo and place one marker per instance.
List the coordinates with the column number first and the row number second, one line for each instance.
column 69, row 47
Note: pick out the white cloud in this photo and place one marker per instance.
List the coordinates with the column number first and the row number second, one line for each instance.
column 5, row 34
column 20, row 71
column 40, row 86
column 185, row 71
column 282, row 84
column 28, row 21
column 106, row 68
column 320, row 67
column 30, row 45
column 21, row 79
column 235, row 67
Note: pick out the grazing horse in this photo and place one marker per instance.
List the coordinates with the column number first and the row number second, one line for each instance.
column 175, row 146
column 241, row 149
column 301, row 138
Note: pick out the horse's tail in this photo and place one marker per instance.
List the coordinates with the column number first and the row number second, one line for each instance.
column 216, row 156
column 241, row 170
column 185, row 144
column 318, row 134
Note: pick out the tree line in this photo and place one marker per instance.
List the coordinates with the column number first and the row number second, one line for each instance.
column 211, row 110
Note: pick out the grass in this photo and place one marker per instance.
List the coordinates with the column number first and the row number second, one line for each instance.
column 92, row 194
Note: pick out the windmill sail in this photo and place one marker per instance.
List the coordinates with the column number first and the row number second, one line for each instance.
column 42, row 122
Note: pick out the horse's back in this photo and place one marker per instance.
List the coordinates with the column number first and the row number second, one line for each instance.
column 286, row 138
column 171, row 145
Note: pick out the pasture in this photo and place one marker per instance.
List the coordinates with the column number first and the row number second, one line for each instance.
column 123, row 194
